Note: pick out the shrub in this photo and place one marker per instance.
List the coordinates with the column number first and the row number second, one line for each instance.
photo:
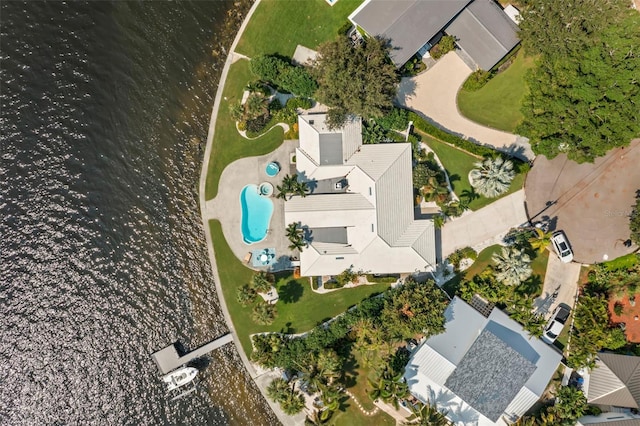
column 476, row 80
column 302, row 103
column 344, row 29
column 284, row 75
column 444, row 46
column 634, row 223
column 618, row 308
column 330, row 285
column 258, row 124
column 298, row 80
column 267, row 68
column 396, row 119
column 423, row 125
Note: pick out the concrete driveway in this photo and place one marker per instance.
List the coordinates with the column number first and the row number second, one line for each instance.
column 484, row 227
column 434, row 93
column 560, row 277
column 590, row 202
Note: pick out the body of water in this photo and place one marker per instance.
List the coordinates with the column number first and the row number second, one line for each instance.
column 105, row 112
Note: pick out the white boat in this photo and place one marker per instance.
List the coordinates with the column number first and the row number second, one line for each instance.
column 179, row 377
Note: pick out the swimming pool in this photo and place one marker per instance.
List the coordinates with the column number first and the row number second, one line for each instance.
column 272, row 169
column 256, row 214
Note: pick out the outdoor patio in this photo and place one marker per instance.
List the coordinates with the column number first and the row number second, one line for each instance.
column 226, row 208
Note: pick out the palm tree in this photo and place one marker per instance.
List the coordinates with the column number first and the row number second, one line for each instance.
column 329, row 365
column 293, row 403
column 469, row 194
column 236, row 111
column 438, row 221
column 263, row 281
column 389, row 387
column 330, row 399
column 512, row 266
column 264, row 314
column 255, row 106
column 278, row 389
column 492, row 177
column 541, row 240
column 295, row 234
column 428, row 415
column 245, row 295
column 301, row 189
column 288, row 186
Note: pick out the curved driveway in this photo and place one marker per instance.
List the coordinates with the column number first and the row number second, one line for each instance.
column 433, row 93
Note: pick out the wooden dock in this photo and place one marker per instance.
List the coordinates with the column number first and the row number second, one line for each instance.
column 168, row 358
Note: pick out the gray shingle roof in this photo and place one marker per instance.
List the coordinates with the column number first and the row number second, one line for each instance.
column 490, row 375
column 484, row 32
column 408, row 24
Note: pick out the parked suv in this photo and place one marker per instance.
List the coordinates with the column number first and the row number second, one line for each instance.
column 561, row 246
column 556, row 323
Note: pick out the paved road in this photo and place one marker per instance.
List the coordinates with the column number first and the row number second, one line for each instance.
column 486, row 226
column 560, row 277
column 434, row 93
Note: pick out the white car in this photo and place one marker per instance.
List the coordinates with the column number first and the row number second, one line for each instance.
column 561, row 246
column 556, row 323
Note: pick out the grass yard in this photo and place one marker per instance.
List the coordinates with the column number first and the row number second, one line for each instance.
column 299, row 309
column 352, row 415
column 498, row 103
column 278, row 26
column 538, row 265
column 228, row 145
column 458, row 164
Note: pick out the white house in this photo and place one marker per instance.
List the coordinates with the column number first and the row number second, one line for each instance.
column 360, row 210
column 481, row 370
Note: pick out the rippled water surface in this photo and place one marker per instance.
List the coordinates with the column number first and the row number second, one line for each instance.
column 105, row 109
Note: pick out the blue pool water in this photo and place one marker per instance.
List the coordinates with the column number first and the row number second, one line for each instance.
column 256, row 214
column 272, row 169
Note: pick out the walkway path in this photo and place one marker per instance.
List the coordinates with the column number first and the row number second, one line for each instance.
column 560, row 277
column 231, row 57
column 365, row 412
column 486, row 226
column 434, row 94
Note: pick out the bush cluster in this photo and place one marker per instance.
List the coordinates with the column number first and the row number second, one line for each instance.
column 476, row 80
column 284, row 75
column 423, row 125
column 444, row 46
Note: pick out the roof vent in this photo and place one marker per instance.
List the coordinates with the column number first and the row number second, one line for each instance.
column 311, row 122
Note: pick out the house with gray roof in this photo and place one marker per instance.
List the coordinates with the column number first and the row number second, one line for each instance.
column 359, row 213
column 614, row 382
column 483, row 370
column 483, row 31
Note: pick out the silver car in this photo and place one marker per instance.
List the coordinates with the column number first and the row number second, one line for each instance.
column 556, row 323
column 561, row 246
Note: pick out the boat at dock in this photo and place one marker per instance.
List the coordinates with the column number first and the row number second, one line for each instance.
column 179, row 377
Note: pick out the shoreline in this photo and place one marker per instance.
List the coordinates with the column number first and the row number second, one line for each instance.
column 255, row 375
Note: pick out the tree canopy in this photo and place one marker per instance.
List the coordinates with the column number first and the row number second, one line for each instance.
column 584, row 92
column 355, row 80
column 414, row 308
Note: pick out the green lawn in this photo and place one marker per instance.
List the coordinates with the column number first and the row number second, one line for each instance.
column 538, row 264
column 622, row 262
column 278, row 26
column 497, row 104
column 299, row 309
column 228, row 145
column 458, row 164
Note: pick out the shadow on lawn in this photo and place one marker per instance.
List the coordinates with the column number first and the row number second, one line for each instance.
column 290, row 292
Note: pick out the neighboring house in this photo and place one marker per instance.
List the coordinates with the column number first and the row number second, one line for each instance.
column 360, row 211
column 610, row 419
column 483, row 31
column 481, row 370
column 614, row 383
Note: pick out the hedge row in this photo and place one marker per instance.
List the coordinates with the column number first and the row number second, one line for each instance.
column 423, row 125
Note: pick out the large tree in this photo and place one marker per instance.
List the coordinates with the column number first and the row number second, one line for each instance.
column 414, row 308
column 355, row 80
column 584, row 92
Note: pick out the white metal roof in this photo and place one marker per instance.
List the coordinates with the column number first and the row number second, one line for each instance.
column 377, row 207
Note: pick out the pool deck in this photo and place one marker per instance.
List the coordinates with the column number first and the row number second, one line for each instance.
column 225, row 207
